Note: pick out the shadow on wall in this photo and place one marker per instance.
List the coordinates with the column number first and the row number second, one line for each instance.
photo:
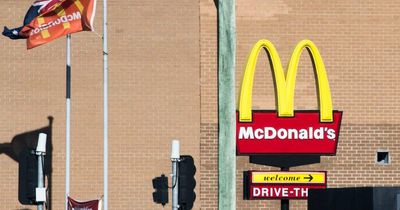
column 28, row 140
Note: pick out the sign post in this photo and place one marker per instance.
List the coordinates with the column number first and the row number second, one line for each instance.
column 285, row 205
column 175, row 159
column 226, row 105
column 41, row 190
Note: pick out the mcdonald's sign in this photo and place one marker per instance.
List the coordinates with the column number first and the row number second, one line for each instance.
column 65, row 17
column 286, row 131
column 282, row 184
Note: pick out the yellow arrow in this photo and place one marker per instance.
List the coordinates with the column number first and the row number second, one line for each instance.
column 289, row 177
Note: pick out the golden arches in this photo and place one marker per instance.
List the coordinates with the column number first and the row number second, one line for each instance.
column 285, row 85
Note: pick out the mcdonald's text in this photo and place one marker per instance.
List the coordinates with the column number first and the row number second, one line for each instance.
column 302, row 134
column 248, row 133
column 58, row 21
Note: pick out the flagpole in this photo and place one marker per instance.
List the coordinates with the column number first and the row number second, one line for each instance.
column 105, row 102
column 68, row 120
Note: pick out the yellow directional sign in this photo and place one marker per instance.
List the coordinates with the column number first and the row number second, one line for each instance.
column 288, row 177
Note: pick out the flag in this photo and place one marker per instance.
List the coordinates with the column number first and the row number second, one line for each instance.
column 38, row 7
column 84, row 205
column 47, row 20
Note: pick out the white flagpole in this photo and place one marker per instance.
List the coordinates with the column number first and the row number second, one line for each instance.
column 68, row 120
column 105, row 102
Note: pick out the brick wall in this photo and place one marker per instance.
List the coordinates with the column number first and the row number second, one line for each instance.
column 209, row 106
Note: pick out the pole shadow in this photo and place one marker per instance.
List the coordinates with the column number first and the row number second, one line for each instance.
column 28, row 140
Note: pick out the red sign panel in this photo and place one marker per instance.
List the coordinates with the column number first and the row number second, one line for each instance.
column 272, row 191
column 301, row 134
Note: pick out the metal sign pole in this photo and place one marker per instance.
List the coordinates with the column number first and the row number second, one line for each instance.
column 175, row 192
column 40, row 190
column 175, row 188
column 40, row 178
column 226, row 105
column 285, row 202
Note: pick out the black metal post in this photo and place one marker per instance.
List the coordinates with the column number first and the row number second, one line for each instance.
column 285, row 202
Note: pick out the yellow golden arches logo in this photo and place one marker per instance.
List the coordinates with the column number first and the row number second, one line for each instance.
column 285, row 85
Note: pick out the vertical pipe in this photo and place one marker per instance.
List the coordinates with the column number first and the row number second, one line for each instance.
column 285, row 204
column 40, row 178
column 68, row 121
column 175, row 155
column 175, row 184
column 105, row 104
column 226, row 105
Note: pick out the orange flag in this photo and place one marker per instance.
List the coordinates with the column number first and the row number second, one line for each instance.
column 65, row 17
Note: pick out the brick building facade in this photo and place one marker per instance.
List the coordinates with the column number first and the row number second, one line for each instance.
column 163, row 85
